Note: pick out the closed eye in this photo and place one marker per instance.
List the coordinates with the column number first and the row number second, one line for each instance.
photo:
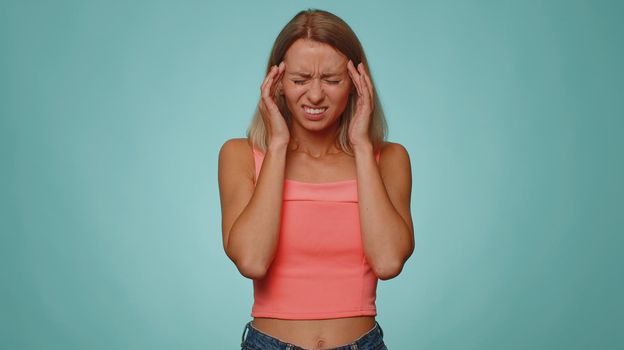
column 301, row 82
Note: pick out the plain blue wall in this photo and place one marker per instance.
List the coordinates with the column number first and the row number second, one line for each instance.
column 113, row 112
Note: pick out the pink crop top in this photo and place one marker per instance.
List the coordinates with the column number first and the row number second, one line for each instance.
column 319, row 270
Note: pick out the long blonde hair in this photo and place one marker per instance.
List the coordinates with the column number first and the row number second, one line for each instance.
column 323, row 27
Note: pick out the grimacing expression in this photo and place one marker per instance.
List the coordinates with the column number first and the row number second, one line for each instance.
column 316, row 83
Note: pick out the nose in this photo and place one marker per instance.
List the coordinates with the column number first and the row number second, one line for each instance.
column 316, row 93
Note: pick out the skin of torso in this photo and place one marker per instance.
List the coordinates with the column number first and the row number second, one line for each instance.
column 316, row 334
column 322, row 333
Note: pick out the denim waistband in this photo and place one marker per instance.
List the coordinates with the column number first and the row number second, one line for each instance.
column 257, row 339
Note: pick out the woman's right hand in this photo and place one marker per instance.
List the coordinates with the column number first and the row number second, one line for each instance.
column 274, row 121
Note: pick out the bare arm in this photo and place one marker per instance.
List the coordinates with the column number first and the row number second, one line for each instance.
column 384, row 191
column 384, row 199
column 250, row 215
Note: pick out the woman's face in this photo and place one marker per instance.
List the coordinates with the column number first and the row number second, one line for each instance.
column 316, row 83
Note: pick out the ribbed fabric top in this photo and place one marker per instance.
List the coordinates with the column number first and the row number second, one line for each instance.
column 319, row 270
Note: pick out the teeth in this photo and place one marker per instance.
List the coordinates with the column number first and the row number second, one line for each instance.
column 314, row 110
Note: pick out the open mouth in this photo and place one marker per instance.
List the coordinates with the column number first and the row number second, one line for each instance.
column 314, row 113
column 312, row 110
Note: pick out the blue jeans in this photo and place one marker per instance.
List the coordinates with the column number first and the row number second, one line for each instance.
column 256, row 340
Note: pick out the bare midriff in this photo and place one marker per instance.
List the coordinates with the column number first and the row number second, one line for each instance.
column 316, row 334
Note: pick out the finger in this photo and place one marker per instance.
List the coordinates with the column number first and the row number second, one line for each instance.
column 365, row 100
column 266, row 87
column 369, row 87
column 267, row 107
column 262, row 109
column 266, row 78
column 354, row 76
column 279, row 86
column 268, row 100
column 282, row 69
column 369, row 84
column 364, row 88
column 276, row 81
column 266, row 84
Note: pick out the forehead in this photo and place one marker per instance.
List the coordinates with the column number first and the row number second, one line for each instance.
column 311, row 55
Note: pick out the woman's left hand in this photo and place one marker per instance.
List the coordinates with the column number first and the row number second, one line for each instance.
column 365, row 104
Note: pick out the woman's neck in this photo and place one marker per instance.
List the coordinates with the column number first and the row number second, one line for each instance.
column 316, row 144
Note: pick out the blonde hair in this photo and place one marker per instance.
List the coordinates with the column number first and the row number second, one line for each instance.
column 323, row 27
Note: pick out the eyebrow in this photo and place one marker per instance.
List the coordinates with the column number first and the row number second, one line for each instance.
column 308, row 75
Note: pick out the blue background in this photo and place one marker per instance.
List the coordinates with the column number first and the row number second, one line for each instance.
column 113, row 113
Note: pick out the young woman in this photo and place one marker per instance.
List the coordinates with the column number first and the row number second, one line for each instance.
column 315, row 203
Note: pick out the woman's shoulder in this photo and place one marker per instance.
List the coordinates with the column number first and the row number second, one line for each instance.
column 238, row 142
column 237, row 146
column 392, row 150
column 393, row 159
column 237, row 152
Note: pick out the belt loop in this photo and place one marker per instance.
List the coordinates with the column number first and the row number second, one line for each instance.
column 354, row 346
column 244, row 331
column 288, row 347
